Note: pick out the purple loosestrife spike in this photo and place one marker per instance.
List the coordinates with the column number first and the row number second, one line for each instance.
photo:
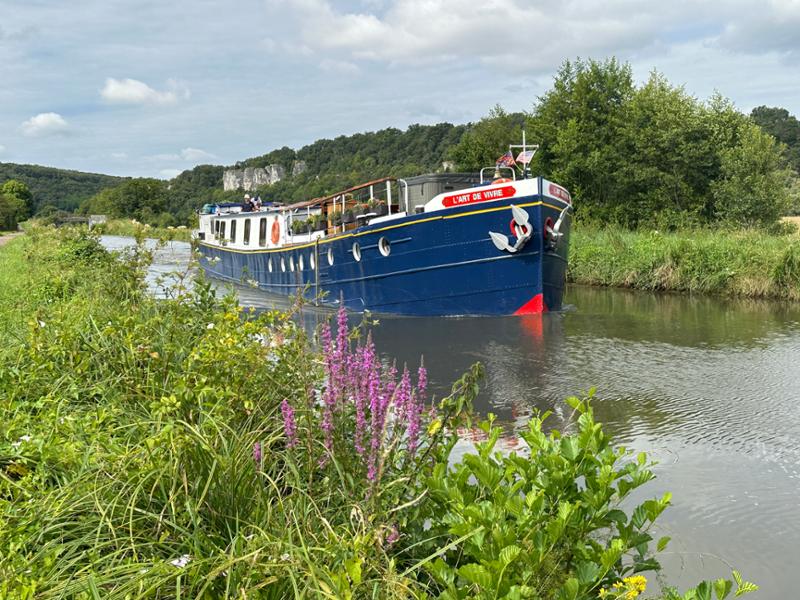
column 422, row 383
column 289, row 424
column 403, row 396
column 257, row 453
column 392, row 536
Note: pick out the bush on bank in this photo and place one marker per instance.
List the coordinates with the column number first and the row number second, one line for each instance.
column 748, row 263
column 187, row 448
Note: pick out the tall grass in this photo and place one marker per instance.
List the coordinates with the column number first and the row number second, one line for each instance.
column 733, row 263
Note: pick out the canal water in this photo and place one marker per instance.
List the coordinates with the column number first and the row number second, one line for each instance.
column 709, row 387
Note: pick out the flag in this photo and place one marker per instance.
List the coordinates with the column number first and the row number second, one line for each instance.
column 525, row 157
column 507, row 160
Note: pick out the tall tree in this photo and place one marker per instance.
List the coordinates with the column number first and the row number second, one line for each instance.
column 784, row 127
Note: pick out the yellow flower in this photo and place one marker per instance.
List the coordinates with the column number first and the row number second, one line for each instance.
column 602, row 593
column 637, row 583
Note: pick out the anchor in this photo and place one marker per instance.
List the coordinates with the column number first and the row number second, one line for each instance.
column 554, row 234
column 521, row 219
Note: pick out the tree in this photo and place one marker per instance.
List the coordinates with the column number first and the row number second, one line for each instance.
column 488, row 139
column 12, row 211
column 754, row 186
column 785, row 127
column 21, row 192
column 578, row 124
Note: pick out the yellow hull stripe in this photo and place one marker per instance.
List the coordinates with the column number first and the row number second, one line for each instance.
column 338, row 237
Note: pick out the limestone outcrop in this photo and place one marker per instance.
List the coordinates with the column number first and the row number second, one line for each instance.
column 250, row 178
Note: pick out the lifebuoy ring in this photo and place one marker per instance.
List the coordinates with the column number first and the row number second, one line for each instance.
column 516, row 230
column 276, row 231
column 548, row 228
column 501, row 180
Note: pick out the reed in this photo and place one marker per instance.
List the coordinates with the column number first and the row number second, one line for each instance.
column 747, row 263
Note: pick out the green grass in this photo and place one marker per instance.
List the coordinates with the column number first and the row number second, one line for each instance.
column 733, row 263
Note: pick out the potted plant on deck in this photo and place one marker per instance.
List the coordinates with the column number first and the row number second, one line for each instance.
column 378, row 207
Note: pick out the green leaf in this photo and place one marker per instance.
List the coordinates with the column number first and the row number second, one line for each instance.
column 743, row 587
column 477, row 574
column 353, row 568
column 509, row 554
column 722, row 587
column 569, row 448
column 570, row 589
column 662, row 543
column 587, row 572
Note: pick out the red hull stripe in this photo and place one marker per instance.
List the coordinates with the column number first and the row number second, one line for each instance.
column 533, row 306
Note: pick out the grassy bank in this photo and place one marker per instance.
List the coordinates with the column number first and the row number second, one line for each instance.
column 735, row 263
column 187, row 448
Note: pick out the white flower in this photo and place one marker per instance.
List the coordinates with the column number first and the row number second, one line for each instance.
column 181, row 561
column 285, row 557
column 252, row 283
column 210, row 326
column 18, row 443
column 41, row 324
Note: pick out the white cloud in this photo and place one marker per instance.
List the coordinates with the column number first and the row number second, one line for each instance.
column 133, row 91
column 342, row 67
column 45, row 124
column 169, row 173
column 196, row 155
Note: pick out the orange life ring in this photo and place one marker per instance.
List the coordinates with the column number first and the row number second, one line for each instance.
column 276, row 231
column 517, row 230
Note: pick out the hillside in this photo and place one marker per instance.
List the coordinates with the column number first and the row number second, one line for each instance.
column 58, row 187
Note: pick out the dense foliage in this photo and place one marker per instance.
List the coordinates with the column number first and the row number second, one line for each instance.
column 784, row 127
column 61, row 188
column 16, row 204
column 648, row 155
column 187, row 448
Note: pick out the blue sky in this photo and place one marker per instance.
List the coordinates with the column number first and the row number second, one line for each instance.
column 150, row 87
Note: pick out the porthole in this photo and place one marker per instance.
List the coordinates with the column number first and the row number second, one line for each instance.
column 357, row 251
column 330, row 256
column 312, row 261
column 291, row 264
column 384, row 246
column 301, row 263
column 269, row 264
column 283, row 264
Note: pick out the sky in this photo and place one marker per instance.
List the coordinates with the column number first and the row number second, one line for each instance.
column 153, row 87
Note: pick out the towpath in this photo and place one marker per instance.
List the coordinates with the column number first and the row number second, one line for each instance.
column 7, row 237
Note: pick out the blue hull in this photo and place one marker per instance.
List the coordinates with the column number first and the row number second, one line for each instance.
column 441, row 263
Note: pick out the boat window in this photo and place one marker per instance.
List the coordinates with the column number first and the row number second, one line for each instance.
column 262, row 233
column 283, row 265
column 291, row 264
column 312, row 261
column 357, row 251
column 216, row 226
column 301, row 263
column 222, row 230
column 233, row 231
column 269, row 264
column 384, row 246
column 247, row 232
column 330, row 256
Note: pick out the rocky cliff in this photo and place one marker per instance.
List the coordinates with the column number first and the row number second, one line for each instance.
column 252, row 177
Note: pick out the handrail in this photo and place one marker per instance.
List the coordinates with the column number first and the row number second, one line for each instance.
column 403, row 182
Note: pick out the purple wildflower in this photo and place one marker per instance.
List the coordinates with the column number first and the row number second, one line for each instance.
column 289, row 425
column 392, row 536
column 403, row 396
column 257, row 453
